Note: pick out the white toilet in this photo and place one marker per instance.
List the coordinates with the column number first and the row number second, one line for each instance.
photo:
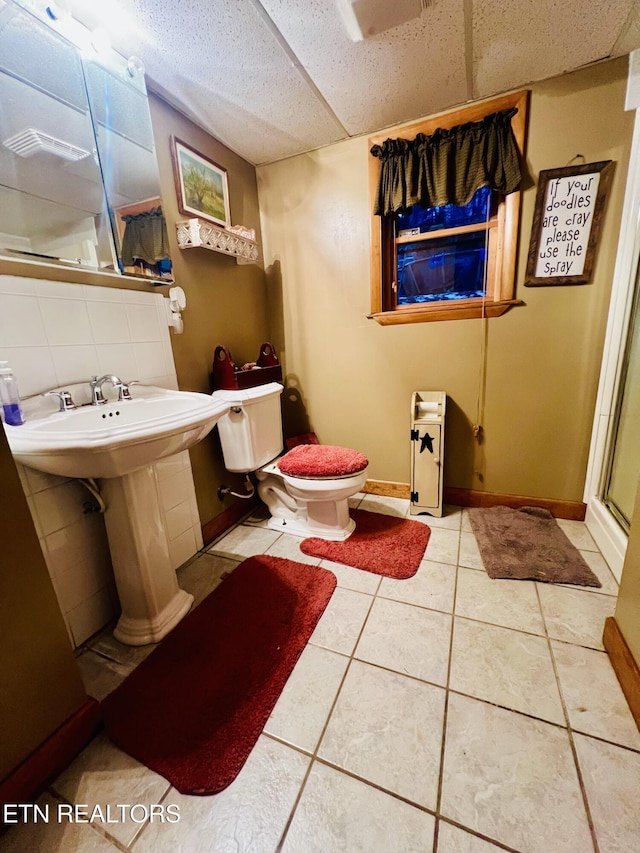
column 306, row 490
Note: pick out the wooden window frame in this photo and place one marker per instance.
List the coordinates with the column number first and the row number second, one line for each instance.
column 503, row 245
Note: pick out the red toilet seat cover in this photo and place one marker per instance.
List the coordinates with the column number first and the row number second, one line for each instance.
column 322, row 460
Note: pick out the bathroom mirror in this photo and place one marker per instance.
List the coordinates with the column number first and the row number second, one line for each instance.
column 79, row 181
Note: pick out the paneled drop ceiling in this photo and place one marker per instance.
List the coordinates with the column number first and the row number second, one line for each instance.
column 273, row 78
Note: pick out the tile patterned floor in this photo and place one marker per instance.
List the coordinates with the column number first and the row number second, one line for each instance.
column 447, row 713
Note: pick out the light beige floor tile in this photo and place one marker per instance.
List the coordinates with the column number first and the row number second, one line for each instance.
column 469, row 552
column 337, row 812
column 244, row 541
column 288, row 546
column 104, row 775
column 577, row 533
column 201, row 576
column 99, row 675
column 410, row 640
column 451, row 518
column 385, row 505
column 443, row 546
column 611, row 776
column 601, row 570
column 350, row 578
column 454, row 840
column 513, row 779
column 342, row 621
column 593, row 696
column 249, row 815
column 574, row 615
column 509, row 603
column 465, row 524
column 387, row 728
column 56, row 835
column 505, row 667
column 303, row 707
column 432, row 586
column 105, row 644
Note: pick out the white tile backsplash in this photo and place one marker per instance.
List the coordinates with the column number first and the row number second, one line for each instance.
column 93, row 293
column 108, row 322
column 32, row 366
column 55, row 334
column 58, row 289
column 143, row 322
column 66, row 321
column 183, row 548
column 60, row 506
column 178, row 519
column 17, row 284
column 73, row 364
column 149, row 360
column 118, row 359
column 20, row 321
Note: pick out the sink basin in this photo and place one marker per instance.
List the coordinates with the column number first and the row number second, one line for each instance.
column 114, row 439
column 120, row 441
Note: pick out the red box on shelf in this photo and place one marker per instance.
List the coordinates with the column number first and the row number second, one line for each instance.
column 225, row 375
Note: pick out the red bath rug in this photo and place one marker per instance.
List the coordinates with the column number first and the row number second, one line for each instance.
column 193, row 710
column 382, row 544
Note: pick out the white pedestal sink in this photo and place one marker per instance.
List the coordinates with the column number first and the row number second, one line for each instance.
column 118, row 443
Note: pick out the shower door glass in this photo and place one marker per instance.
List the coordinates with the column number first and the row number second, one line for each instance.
column 624, row 462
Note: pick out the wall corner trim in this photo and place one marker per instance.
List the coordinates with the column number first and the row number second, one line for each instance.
column 24, row 783
column 624, row 665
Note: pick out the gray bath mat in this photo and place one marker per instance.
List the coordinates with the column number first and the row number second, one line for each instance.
column 528, row 544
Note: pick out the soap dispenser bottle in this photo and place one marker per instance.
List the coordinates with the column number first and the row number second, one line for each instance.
column 10, row 397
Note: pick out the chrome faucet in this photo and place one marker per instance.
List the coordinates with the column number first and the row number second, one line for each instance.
column 97, row 397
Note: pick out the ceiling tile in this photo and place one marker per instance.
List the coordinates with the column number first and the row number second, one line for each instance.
column 412, row 70
column 227, row 71
column 273, row 78
column 516, row 42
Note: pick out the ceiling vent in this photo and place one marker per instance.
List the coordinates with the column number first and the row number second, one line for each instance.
column 32, row 141
column 366, row 18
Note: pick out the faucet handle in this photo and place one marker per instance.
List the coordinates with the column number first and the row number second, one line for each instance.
column 123, row 389
column 66, row 403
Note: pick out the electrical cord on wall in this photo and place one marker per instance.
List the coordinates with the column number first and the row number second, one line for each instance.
column 478, row 431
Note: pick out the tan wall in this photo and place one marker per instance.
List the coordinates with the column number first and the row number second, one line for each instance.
column 226, row 301
column 543, row 359
column 40, row 684
column 628, row 604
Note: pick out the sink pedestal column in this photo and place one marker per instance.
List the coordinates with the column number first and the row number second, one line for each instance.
column 151, row 600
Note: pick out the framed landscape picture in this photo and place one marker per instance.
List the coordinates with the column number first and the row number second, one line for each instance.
column 201, row 185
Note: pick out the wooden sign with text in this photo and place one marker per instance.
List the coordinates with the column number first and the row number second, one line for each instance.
column 566, row 223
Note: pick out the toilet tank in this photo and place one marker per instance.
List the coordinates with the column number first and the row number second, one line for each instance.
column 251, row 431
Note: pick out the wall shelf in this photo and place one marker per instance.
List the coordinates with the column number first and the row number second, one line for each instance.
column 194, row 233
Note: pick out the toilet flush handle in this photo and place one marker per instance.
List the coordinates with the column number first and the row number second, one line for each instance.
column 237, row 410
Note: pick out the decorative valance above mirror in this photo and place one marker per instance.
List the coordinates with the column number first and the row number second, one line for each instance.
column 77, row 156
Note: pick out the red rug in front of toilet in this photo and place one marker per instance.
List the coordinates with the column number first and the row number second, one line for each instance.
column 194, row 709
column 382, row 544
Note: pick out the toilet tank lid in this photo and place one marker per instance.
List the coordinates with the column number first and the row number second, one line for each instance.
column 249, row 395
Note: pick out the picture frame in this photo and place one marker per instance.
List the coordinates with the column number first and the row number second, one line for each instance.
column 201, row 185
column 567, row 221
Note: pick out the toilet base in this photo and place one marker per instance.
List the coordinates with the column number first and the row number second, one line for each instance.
column 296, row 527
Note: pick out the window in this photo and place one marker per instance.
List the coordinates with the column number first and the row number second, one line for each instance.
column 447, row 261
